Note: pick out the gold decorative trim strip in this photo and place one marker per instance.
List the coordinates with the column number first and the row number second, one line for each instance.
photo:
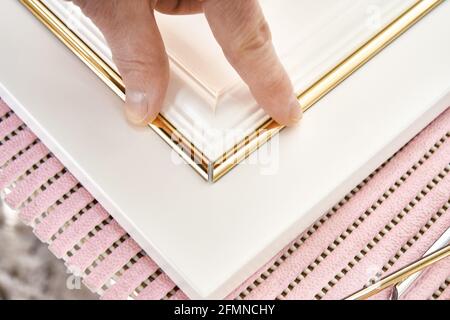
column 214, row 170
column 327, row 83
column 173, row 137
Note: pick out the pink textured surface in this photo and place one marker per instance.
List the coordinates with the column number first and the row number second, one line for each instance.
column 25, row 188
column 111, row 264
column 432, row 278
column 131, row 279
column 347, row 214
column 15, row 144
column 56, row 219
column 179, row 295
column 95, row 246
column 18, row 167
column 388, row 246
column 157, row 288
column 387, row 222
column 9, row 124
column 76, row 231
column 44, row 200
column 4, row 109
column 446, row 294
column 344, row 253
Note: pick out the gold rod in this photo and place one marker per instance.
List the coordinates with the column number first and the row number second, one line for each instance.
column 401, row 274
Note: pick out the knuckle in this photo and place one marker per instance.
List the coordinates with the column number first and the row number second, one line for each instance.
column 254, row 41
column 277, row 81
column 100, row 12
column 130, row 65
column 90, row 8
column 140, row 68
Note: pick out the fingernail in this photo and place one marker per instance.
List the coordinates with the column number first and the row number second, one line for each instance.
column 295, row 111
column 136, row 106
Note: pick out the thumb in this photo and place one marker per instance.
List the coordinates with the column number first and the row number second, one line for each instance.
column 131, row 32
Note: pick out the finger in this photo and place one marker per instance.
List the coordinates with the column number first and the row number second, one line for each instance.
column 242, row 31
column 130, row 29
column 179, row 6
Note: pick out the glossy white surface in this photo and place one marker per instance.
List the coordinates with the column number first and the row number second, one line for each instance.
column 207, row 101
column 210, row 238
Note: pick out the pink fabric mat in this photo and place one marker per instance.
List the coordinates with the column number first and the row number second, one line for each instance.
column 386, row 222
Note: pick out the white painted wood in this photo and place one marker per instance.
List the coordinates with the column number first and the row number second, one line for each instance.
column 207, row 101
column 210, row 238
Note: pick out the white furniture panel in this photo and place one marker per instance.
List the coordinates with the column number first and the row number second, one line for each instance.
column 207, row 101
column 210, row 238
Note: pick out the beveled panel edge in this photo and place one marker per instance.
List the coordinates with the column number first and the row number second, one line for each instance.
column 173, row 137
column 326, row 83
column 209, row 170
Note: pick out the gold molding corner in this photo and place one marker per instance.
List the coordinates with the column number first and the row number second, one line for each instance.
column 327, row 83
column 214, row 170
column 176, row 140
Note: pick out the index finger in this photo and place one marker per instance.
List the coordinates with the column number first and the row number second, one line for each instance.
column 244, row 35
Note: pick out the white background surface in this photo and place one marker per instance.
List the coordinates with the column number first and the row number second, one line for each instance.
column 210, row 238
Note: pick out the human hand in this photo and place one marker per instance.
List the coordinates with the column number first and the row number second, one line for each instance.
column 138, row 50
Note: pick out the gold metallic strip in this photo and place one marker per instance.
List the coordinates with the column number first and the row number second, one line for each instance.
column 245, row 148
column 367, row 51
column 175, row 139
column 72, row 41
column 327, row 83
column 401, row 274
column 185, row 148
